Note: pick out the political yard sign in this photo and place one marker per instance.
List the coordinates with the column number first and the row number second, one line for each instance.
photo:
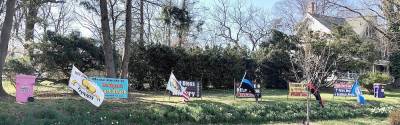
column 297, row 89
column 245, row 93
column 113, row 88
column 192, row 87
column 342, row 88
column 85, row 87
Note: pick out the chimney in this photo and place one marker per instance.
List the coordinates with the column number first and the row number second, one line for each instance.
column 312, row 7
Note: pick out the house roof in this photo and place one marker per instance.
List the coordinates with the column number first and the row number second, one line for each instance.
column 328, row 21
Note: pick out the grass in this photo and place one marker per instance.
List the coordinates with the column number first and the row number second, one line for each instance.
column 56, row 105
column 355, row 121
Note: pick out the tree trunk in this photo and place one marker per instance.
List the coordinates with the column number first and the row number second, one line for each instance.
column 5, row 38
column 182, row 32
column 169, row 27
column 128, row 33
column 308, row 108
column 114, row 20
column 31, row 19
column 107, row 45
column 180, row 38
column 169, row 34
column 141, row 35
column 1, row 2
column 148, row 25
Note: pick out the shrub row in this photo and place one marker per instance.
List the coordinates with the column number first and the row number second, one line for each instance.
column 214, row 66
column 202, row 112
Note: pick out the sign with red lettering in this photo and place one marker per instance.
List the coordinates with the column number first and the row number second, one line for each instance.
column 342, row 88
column 297, row 89
column 113, row 88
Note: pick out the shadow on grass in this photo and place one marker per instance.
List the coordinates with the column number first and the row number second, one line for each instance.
column 392, row 94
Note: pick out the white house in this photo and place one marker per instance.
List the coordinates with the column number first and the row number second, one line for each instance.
column 325, row 25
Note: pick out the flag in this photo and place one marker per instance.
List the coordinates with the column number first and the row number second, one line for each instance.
column 85, row 87
column 356, row 91
column 314, row 90
column 185, row 96
column 174, row 86
column 247, row 84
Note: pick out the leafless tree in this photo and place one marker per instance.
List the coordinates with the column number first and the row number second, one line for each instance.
column 240, row 22
column 1, row 9
column 90, row 16
column 149, row 14
column 316, row 64
column 56, row 17
column 258, row 27
column 229, row 24
column 115, row 13
column 141, row 30
column 31, row 16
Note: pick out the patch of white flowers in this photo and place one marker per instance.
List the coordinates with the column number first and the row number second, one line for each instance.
column 101, row 118
column 381, row 110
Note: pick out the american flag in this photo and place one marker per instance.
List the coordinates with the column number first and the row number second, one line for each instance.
column 185, row 96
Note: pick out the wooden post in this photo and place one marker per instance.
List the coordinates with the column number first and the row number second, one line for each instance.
column 287, row 96
column 259, row 87
column 234, row 89
column 308, row 108
column 201, row 88
column 256, row 95
column 333, row 95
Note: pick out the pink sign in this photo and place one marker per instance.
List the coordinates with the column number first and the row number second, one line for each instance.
column 24, row 87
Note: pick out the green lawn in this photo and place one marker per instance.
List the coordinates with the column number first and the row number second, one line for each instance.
column 355, row 121
column 56, row 105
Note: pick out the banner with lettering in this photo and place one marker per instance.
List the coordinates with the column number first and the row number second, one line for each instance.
column 85, row 87
column 192, row 87
column 113, row 88
column 342, row 88
column 297, row 89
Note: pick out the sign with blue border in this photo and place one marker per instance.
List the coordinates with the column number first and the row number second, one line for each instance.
column 113, row 88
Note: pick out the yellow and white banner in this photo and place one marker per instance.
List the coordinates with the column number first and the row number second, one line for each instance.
column 86, row 88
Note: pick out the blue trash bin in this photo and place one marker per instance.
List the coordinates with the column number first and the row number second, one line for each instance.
column 379, row 90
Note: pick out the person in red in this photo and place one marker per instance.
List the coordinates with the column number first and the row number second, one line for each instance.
column 314, row 90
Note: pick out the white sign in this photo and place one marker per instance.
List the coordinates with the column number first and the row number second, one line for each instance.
column 86, row 88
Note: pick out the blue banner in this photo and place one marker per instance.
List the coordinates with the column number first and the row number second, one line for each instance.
column 113, row 88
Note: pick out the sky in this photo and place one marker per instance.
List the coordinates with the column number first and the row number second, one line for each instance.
column 266, row 4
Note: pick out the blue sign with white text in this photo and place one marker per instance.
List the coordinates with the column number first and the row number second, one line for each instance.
column 113, row 88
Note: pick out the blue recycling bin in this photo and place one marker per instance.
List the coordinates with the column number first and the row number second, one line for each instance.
column 379, row 90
